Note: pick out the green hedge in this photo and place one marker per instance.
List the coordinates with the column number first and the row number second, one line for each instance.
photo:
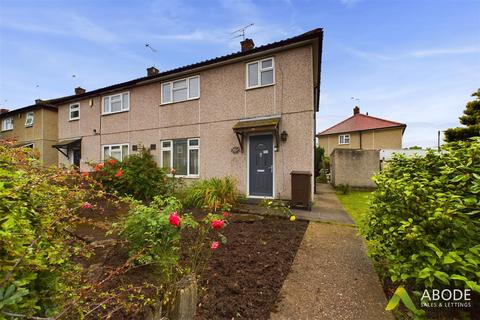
column 423, row 228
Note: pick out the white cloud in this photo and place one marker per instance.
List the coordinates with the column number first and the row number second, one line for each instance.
column 419, row 53
column 70, row 24
column 350, row 3
column 445, row 51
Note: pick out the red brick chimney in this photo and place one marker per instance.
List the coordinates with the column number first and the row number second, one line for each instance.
column 247, row 44
column 3, row 111
column 356, row 110
column 79, row 90
column 152, row 71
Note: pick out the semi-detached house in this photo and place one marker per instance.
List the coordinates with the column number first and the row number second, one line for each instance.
column 250, row 115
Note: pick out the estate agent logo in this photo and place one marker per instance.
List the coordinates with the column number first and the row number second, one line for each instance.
column 433, row 298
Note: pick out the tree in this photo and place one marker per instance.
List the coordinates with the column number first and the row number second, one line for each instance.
column 470, row 119
column 319, row 156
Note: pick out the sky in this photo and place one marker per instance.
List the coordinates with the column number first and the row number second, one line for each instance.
column 410, row 61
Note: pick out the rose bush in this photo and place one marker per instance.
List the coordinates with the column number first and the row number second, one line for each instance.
column 154, row 233
column 137, row 176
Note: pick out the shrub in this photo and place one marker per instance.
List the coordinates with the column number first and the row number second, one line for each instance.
column 278, row 207
column 37, row 216
column 154, row 234
column 423, row 228
column 322, row 176
column 138, row 176
column 213, row 194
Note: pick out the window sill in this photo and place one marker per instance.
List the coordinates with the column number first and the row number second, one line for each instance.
column 258, row 87
column 185, row 177
column 109, row 113
column 168, row 103
column 76, row 119
column 343, row 144
column 7, row 130
column 31, row 126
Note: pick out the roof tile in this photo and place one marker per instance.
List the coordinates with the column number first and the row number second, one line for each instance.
column 361, row 122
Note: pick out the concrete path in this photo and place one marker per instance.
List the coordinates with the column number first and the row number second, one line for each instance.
column 331, row 276
column 326, row 207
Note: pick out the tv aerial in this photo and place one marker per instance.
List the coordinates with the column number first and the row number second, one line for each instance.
column 241, row 32
column 147, row 45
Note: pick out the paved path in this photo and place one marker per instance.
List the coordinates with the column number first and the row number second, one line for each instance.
column 326, row 208
column 331, row 277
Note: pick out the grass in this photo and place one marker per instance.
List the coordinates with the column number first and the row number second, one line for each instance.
column 356, row 204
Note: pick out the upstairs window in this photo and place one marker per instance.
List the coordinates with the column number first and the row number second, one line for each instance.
column 181, row 90
column 116, row 151
column 29, row 120
column 344, row 139
column 116, row 103
column 181, row 155
column 260, row 73
column 74, row 113
column 7, row 124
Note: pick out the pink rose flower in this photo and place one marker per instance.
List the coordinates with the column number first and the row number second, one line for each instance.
column 87, row 205
column 214, row 245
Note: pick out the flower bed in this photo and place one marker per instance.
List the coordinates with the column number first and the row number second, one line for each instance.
column 243, row 277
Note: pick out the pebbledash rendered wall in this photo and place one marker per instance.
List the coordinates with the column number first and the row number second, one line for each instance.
column 223, row 101
column 354, row 167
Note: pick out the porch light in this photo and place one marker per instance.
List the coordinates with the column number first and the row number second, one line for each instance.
column 284, row 136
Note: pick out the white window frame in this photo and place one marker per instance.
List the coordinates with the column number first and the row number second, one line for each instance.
column 122, row 108
column 109, row 146
column 187, row 80
column 259, row 73
column 28, row 145
column 189, row 147
column 77, row 104
column 30, row 115
column 4, row 124
column 344, row 139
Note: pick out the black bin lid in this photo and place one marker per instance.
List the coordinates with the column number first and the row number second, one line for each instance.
column 303, row 173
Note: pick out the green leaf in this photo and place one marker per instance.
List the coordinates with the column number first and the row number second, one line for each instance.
column 393, row 303
column 437, row 251
column 442, row 276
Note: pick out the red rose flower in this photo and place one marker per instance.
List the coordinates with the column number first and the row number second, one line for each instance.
column 99, row 166
column 85, row 174
column 218, row 224
column 225, row 214
column 174, row 219
column 112, row 161
column 119, row 173
column 214, row 245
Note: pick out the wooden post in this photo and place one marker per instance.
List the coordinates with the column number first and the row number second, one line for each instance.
column 185, row 303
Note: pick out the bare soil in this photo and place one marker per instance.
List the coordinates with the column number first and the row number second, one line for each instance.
column 243, row 277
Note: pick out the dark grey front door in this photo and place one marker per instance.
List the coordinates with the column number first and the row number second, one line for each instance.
column 261, row 166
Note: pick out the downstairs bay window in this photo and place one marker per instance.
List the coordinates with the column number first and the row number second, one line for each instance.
column 181, row 155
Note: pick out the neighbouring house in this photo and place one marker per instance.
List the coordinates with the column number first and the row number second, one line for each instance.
column 33, row 126
column 249, row 114
column 362, row 131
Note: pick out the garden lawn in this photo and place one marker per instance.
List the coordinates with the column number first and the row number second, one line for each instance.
column 356, row 204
